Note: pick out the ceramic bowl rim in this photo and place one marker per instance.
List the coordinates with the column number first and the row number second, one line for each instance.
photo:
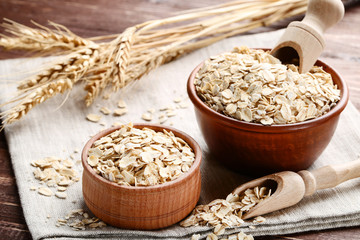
column 192, row 143
column 278, row 128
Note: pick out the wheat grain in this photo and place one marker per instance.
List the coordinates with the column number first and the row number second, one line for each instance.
column 76, row 65
column 122, row 55
column 41, row 39
column 95, row 84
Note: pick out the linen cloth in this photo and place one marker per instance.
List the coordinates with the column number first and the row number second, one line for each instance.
column 56, row 128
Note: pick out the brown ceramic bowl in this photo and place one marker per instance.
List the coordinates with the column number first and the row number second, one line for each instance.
column 255, row 149
column 149, row 207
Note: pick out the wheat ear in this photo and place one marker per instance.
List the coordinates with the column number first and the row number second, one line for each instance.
column 76, row 65
column 122, row 55
column 41, row 39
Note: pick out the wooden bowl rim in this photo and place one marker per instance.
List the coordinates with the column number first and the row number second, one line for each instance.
column 156, row 127
column 278, row 128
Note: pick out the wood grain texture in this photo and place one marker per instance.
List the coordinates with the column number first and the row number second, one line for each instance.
column 89, row 18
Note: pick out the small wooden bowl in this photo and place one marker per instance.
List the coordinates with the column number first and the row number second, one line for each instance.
column 149, row 207
column 255, row 149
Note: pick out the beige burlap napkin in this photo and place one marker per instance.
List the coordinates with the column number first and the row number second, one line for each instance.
column 50, row 130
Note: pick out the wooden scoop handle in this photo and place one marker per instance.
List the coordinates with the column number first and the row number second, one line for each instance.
column 304, row 40
column 322, row 14
column 329, row 176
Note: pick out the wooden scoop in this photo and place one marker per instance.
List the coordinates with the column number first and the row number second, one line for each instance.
column 289, row 187
column 303, row 42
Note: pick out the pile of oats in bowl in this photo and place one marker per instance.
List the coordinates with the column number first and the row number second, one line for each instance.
column 140, row 157
column 253, row 86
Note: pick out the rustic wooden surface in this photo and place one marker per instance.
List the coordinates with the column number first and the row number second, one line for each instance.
column 89, row 18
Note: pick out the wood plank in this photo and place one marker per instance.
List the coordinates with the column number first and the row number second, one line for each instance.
column 12, row 221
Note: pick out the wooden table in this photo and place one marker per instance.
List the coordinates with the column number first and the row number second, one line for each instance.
column 89, row 18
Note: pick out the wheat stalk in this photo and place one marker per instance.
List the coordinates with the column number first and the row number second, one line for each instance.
column 41, row 39
column 68, row 73
column 135, row 52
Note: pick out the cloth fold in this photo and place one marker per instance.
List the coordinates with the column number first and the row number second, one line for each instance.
column 56, row 129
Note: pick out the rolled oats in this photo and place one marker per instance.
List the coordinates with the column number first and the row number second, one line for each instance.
column 226, row 213
column 177, row 100
column 140, row 157
column 78, row 219
column 61, row 195
column 93, row 117
column 162, row 118
column 120, row 111
column 45, row 191
column 259, row 219
column 253, row 86
column 54, row 172
column 147, row 116
column 183, row 105
column 105, row 110
column 121, row 104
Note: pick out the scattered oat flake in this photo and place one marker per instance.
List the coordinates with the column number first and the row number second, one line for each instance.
column 121, row 104
column 93, row 117
column 147, row 116
column 105, row 110
column 164, row 108
column 259, row 219
column 61, row 195
column 61, row 189
column 183, row 105
column 32, row 188
column 162, row 119
column 177, row 100
column 120, row 111
column 151, row 110
column 45, row 191
column 170, row 113
column 65, row 182
column 78, row 220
